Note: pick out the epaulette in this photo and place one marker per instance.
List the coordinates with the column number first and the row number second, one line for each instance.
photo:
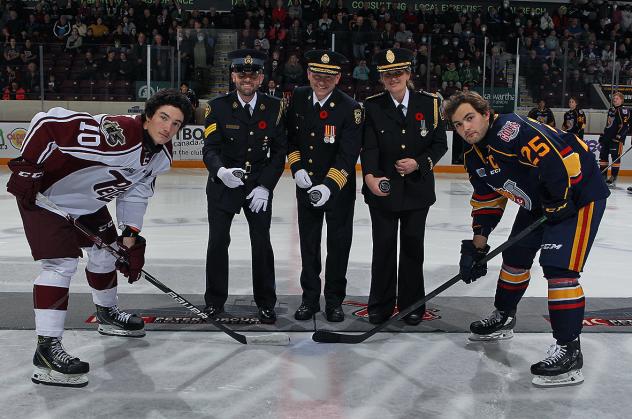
column 375, row 96
column 432, row 95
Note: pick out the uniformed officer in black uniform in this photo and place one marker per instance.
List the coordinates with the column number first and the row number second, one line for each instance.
column 613, row 138
column 404, row 137
column 324, row 136
column 244, row 150
column 574, row 119
column 542, row 114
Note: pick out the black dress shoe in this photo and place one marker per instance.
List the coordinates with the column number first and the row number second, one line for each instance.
column 335, row 314
column 305, row 312
column 378, row 318
column 414, row 319
column 212, row 310
column 267, row 315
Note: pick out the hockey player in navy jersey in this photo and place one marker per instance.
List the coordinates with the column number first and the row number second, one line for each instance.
column 613, row 138
column 545, row 171
column 81, row 162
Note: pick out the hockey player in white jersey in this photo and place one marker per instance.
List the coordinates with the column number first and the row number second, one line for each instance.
column 81, row 162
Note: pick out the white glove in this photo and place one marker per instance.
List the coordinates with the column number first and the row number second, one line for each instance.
column 230, row 180
column 325, row 194
column 259, row 196
column 302, row 179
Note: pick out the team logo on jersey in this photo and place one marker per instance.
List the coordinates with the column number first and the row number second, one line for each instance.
column 113, row 133
column 509, row 131
column 511, row 191
column 481, row 172
column 109, row 190
column 610, row 121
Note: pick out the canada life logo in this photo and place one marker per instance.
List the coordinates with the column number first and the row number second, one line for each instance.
column 16, row 137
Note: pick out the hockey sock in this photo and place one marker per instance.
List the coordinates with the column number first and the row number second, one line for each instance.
column 511, row 286
column 566, row 308
column 103, row 287
column 50, row 303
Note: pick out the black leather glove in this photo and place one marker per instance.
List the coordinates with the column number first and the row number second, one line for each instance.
column 469, row 268
column 25, row 181
column 135, row 259
column 558, row 211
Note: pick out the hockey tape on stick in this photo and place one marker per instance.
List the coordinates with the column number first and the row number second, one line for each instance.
column 326, row 336
column 270, row 339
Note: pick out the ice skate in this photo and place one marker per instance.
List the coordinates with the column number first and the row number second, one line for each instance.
column 611, row 182
column 498, row 325
column 55, row 367
column 114, row 322
column 562, row 366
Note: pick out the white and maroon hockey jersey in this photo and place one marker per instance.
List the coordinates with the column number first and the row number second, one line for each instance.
column 90, row 160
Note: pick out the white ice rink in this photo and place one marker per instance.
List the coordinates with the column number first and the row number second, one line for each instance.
column 412, row 375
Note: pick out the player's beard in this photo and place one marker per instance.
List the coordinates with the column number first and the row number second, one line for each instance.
column 247, row 89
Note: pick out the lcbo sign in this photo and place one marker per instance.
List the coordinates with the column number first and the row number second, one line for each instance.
column 188, row 144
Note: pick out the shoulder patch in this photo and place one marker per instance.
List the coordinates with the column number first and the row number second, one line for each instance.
column 207, row 111
column 113, row 133
column 509, row 131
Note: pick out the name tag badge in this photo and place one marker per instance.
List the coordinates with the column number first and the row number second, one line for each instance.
column 330, row 134
column 231, row 126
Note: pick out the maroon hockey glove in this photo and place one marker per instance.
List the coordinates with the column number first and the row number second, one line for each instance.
column 25, row 181
column 135, row 257
column 556, row 212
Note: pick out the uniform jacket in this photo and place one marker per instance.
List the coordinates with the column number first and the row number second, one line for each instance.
column 575, row 122
column 387, row 139
column 325, row 144
column 544, row 116
column 617, row 125
column 531, row 164
column 91, row 160
column 233, row 138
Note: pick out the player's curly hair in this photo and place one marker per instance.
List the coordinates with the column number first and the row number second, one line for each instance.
column 477, row 101
column 171, row 97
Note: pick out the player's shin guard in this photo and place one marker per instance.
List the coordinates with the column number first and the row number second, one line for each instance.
column 566, row 308
column 511, row 286
column 54, row 366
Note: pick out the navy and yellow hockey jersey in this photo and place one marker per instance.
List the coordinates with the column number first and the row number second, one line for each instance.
column 617, row 125
column 531, row 164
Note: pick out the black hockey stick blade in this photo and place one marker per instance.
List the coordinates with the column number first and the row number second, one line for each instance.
column 268, row 339
column 327, row 336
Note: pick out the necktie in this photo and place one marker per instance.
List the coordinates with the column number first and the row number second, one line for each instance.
column 317, row 107
column 248, row 109
column 400, row 111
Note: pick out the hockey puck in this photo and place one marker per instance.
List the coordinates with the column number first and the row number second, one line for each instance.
column 314, row 196
column 384, row 186
column 239, row 174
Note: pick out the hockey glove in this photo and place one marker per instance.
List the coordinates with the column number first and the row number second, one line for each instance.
column 25, row 181
column 134, row 259
column 558, row 211
column 469, row 268
column 259, row 199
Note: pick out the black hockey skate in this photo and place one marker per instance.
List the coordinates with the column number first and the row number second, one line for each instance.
column 562, row 366
column 611, row 182
column 498, row 325
column 114, row 322
column 629, row 189
column 55, row 367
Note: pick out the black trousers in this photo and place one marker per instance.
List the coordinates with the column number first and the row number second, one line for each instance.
column 390, row 285
column 263, row 282
column 339, row 234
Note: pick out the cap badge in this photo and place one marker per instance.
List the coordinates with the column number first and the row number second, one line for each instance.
column 324, row 58
column 248, row 60
column 390, row 57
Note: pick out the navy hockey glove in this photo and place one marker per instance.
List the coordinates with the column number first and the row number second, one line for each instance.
column 558, row 211
column 25, row 181
column 134, row 259
column 469, row 268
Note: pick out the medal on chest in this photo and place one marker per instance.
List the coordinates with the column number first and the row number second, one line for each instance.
column 423, row 131
column 330, row 134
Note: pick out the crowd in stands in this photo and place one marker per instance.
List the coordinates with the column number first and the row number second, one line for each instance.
column 104, row 43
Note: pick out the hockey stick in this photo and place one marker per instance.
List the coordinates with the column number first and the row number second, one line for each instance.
column 269, row 339
column 326, row 336
column 605, row 170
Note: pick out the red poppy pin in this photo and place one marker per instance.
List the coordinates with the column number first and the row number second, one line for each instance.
column 262, row 125
column 323, row 114
column 419, row 116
